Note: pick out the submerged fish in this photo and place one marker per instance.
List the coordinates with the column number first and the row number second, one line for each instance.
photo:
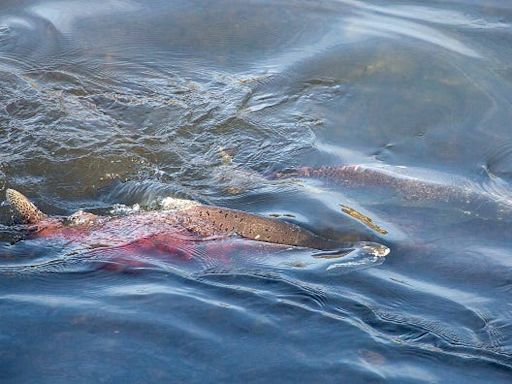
column 172, row 230
column 411, row 183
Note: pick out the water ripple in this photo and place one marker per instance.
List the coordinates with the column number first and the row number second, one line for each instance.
column 107, row 106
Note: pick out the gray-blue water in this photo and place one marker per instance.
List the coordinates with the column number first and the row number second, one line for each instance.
column 130, row 101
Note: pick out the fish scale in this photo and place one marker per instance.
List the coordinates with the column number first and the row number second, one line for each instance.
column 183, row 221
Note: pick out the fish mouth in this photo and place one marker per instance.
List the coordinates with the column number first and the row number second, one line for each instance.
column 376, row 249
column 363, row 248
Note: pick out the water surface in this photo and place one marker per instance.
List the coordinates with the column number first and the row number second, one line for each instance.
column 127, row 102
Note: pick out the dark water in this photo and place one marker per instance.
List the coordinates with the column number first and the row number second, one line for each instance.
column 127, row 102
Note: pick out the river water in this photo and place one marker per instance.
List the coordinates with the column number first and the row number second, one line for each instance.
column 107, row 104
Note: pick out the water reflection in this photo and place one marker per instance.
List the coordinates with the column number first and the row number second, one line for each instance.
column 125, row 102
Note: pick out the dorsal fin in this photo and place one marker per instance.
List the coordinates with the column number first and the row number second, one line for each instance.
column 24, row 210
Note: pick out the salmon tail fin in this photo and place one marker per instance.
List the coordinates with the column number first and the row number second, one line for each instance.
column 24, row 210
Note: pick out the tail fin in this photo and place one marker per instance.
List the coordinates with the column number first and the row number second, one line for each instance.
column 24, row 210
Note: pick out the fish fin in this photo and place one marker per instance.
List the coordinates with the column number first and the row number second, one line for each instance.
column 23, row 209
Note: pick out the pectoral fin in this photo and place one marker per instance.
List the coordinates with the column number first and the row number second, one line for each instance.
column 24, row 210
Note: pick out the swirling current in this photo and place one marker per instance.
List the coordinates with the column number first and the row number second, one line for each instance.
column 388, row 121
